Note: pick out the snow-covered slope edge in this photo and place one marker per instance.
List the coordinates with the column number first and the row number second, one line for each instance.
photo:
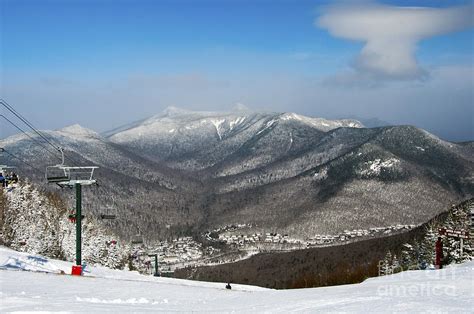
column 447, row 290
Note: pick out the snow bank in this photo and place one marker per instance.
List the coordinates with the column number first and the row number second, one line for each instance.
column 13, row 260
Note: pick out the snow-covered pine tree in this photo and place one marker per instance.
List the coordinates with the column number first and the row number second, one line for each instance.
column 409, row 256
column 458, row 219
column 427, row 245
column 423, row 251
column 37, row 223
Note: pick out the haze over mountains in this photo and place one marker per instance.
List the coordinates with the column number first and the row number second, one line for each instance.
column 183, row 171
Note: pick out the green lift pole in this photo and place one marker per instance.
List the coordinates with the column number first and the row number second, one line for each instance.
column 78, row 224
column 156, row 274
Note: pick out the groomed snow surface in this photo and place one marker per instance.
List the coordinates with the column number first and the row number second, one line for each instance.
column 43, row 288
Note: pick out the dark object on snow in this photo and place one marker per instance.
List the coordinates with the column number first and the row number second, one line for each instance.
column 423, row 265
column 228, row 286
column 2, row 180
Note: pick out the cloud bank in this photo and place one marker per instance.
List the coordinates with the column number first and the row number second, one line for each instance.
column 390, row 35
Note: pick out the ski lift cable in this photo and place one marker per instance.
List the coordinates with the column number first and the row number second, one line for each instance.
column 31, row 137
column 31, row 126
column 24, row 120
column 56, row 146
column 25, row 162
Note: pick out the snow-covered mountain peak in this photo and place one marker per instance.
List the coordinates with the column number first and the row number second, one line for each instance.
column 77, row 129
column 72, row 132
column 290, row 116
column 15, row 138
column 191, row 125
column 175, row 114
column 321, row 123
column 172, row 111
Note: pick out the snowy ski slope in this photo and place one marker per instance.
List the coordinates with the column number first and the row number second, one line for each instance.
column 42, row 288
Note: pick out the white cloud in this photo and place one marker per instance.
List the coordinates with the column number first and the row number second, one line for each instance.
column 391, row 34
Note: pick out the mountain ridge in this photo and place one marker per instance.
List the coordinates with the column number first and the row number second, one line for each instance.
column 270, row 171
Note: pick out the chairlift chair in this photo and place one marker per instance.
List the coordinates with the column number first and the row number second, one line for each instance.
column 105, row 212
column 56, row 174
column 72, row 217
column 69, row 176
column 107, row 217
column 137, row 239
column 111, row 242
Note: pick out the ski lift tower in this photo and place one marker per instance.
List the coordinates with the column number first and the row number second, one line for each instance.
column 155, row 255
column 73, row 177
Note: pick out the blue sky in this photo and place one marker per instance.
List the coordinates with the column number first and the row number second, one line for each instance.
column 78, row 61
column 158, row 36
